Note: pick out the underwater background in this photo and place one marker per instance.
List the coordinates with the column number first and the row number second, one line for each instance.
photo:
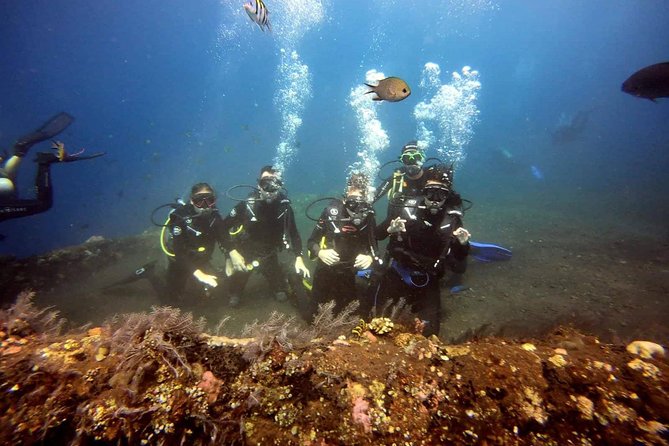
column 181, row 92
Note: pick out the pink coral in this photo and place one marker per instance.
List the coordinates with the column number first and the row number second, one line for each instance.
column 360, row 415
column 211, row 386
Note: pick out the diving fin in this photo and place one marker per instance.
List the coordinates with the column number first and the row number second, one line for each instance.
column 144, row 272
column 49, row 129
column 50, row 158
column 69, row 159
column 487, row 252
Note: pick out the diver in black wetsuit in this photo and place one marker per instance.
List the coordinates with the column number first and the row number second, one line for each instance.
column 260, row 227
column 423, row 246
column 192, row 232
column 10, row 205
column 344, row 242
column 409, row 179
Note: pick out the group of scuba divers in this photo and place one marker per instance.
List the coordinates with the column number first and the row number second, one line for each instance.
column 424, row 225
column 423, row 222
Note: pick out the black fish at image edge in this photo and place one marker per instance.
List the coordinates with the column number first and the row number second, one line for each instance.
column 651, row 82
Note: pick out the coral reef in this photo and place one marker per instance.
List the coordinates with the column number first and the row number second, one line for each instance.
column 155, row 378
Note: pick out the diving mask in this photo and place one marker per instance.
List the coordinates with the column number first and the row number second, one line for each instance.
column 270, row 184
column 204, row 201
column 435, row 197
column 412, row 158
column 358, row 209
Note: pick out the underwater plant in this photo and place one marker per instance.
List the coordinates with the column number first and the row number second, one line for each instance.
column 23, row 317
column 144, row 342
column 285, row 332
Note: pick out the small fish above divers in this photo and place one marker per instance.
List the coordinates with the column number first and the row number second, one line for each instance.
column 258, row 13
column 391, row 89
column 650, row 83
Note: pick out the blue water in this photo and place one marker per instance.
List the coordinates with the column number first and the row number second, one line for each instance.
column 180, row 92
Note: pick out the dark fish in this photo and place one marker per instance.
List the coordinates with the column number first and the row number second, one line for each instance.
column 2, row 237
column 391, row 89
column 651, row 82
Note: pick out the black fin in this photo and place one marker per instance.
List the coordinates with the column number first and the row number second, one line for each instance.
column 143, row 272
column 49, row 129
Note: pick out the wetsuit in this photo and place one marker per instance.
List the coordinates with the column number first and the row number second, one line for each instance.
column 12, row 207
column 399, row 184
column 15, row 208
column 194, row 238
column 418, row 258
column 336, row 229
column 258, row 230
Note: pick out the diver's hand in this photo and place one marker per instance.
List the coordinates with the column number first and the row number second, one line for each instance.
column 205, row 278
column 397, row 225
column 328, row 256
column 363, row 261
column 462, row 235
column 300, row 268
column 238, row 262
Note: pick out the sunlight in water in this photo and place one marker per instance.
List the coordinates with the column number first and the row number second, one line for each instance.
column 373, row 138
column 291, row 19
column 446, row 119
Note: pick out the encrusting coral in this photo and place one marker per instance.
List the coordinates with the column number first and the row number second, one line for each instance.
column 154, row 378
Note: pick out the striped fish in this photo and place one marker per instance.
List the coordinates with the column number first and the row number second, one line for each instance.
column 258, row 13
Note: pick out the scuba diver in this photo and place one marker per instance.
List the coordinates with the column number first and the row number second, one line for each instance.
column 344, row 242
column 10, row 205
column 259, row 228
column 423, row 246
column 409, row 179
column 194, row 228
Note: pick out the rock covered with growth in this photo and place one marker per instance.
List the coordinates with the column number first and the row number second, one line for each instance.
column 157, row 379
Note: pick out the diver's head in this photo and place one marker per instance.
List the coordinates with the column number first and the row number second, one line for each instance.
column 412, row 157
column 203, row 198
column 269, row 183
column 438, row 187
column 355, row 200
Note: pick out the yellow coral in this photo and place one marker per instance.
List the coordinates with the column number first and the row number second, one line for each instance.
column 381, row 325
column 646, row 349
column 648, row 370
column 360, row 328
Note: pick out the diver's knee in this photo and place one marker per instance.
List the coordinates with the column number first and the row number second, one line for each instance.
column 6, row 188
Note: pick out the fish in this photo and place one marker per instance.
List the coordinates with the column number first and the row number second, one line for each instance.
column 650, row 83
column 259, row 14
column 391, row 89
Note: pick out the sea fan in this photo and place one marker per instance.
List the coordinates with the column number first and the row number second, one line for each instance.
column 327, row 325
column 24, row 317
column 146, row 341
column 289, row 335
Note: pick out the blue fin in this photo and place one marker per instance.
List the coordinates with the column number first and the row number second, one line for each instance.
column 458, row 289
column 487, row 252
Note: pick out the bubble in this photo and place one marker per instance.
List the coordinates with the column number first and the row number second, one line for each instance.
column 291, row 20
column 446, row 119
column 373, row 138
column 294, row 89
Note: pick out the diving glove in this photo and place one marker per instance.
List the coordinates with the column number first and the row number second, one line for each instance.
column 462, row 235
column 238, row 262
column 328, row 256
column 300, row 268
column 363, row 261
column 205, row 278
